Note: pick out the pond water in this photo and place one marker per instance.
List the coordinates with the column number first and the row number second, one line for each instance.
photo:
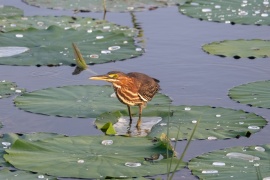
column 173, row 55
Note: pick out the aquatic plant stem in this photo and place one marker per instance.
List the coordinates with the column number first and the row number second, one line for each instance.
column 168, row 132
column 185, row 150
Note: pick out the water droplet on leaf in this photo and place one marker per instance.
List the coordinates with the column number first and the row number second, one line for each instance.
column 106, row 52
column 210, row 171
column 258, row 148
column 19, row 35
column 253, row 127
column 99, row 37
column 132, row 164
column 187, row 108
column 113, row 48
column 80, row 161
column 107, row 142
column 219, row 164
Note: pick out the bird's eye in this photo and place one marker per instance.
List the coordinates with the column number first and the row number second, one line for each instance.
column 113, row 76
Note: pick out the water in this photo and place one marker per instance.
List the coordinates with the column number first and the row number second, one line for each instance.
column 173, row 55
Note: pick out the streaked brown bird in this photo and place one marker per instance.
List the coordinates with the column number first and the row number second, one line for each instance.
column 132, row 89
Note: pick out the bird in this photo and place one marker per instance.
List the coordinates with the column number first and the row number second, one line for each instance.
column 131, row 89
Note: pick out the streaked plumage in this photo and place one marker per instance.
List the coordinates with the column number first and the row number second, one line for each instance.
column 132, row 89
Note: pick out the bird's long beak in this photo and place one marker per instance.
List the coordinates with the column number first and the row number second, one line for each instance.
column 100, row 77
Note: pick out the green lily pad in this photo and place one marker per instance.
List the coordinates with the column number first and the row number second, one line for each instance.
column 53, row 46
column 9, row 11
column 19, row 22
column 76, row 101
column 240, row 48
column 254, row 94
column 98, row 6
column 90, row 157
column 6, row 140
column 108, row 129
column 8, row 89
column 254, row 12
column 233, row 163
column 215, row 122
column 22, row 175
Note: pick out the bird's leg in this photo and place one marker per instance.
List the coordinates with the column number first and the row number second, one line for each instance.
column 140, row 116
column 130, row 117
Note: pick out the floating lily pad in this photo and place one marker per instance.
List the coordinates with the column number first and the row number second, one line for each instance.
column 98, row 6
column 233, row 163
column 22, row 175
column 6, row 141
column 19, row 22
column 240, row 48
column 90, row 156
column 235, row 12
column 8, row 89
column 53, row 46
column 75, row 101
column 9, row 11
column 254, row 94
column 215, row 122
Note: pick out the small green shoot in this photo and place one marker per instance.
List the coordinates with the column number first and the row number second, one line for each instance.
column 80, row 62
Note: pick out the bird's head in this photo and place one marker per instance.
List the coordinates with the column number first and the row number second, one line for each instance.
column 113, row 77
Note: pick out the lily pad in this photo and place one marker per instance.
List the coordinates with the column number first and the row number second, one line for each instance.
column 7, row 140
column 9, row 11
column 240, row 48
column 19, row 22
column 90, row 156
column 253, row 12
column 98, row 6
column 22, row 175
column 8, row 89
column 76, row 101
column 53, row 46
column 249, row 163
column 253, row 94
column 215, row 122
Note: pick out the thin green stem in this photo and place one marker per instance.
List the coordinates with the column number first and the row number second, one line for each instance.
column 185, row 150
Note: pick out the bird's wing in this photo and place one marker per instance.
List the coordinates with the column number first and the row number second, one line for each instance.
column 147, row 86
